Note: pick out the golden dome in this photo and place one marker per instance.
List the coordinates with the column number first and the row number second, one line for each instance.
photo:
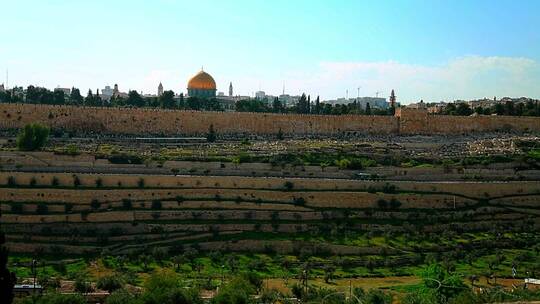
column 202, row 81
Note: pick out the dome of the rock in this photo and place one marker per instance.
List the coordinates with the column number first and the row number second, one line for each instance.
column 202, row 81
column 202, row 85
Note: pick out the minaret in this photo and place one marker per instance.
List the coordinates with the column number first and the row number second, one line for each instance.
column 230, row 90
column 392, row 99
column 160, row 89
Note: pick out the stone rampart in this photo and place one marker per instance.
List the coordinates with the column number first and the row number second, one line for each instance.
column 418, row 121
column 171, row 123
column 133, row 121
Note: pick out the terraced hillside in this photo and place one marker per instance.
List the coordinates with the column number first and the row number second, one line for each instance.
column 391, row 223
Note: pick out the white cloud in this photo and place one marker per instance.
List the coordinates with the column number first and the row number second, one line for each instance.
column 461, row 78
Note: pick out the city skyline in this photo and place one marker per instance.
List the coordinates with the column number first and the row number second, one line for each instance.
column 430, row 51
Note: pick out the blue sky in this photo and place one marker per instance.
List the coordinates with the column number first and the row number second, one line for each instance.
column 431, row 50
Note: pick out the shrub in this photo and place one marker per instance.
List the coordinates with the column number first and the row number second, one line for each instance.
column 156, row 204
column 55, row 182
column 126, row 203
column 237, row 291
column 32, row 137
column 99, row 182
column 300, row 201
column 110, row 283
column 387, row 188
column 76, row 181
column 33, row 182
column 58, row 298
column 288, row 185
column 211, row 136
column 377, row 296
column 140, row 183
column 11, row 182
column 17, row 208
column 42, row 208
column 95, row 204
column 343, row 163
column 72, row 149
column 126, row 159
column 121, row 296
column 382, row 204
column 280, row 135
column 82, row 285
column 84, row 214
column 394, row 203
column 68, row 208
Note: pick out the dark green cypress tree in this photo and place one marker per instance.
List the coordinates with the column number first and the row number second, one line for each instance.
column 368, row 109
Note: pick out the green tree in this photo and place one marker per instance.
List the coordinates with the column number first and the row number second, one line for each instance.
column 277, row 106
column 135, row 99
column 302, row 107
column 368, row 109
column 317, row 108
column 75, row 96
column 163, row 287
column 166, row 100
column 32, row 137
column 58, row 97
column 89, row 99
column 499, row 109
column 463, row 109
column 450, row 109
column 251, row 105
column 440, row 284
column 237, row 291
column 509, row 108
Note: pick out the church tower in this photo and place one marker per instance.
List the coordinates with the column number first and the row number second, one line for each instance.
column 230, row 90
column 160, row 89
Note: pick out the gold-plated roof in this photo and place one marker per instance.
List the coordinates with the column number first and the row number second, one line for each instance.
column 202, row 81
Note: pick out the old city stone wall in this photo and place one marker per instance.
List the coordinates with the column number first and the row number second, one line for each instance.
column 170, row 122
column 418, row 121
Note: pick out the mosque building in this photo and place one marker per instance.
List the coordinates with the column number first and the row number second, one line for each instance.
column 202, row 85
